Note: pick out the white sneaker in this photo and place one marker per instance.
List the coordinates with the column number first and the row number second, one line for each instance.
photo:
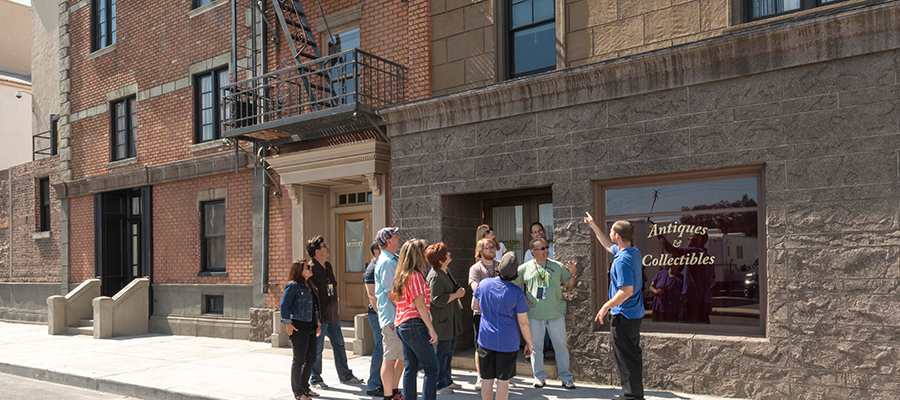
column 539, row 383
column 478, row 384
column 445, row 390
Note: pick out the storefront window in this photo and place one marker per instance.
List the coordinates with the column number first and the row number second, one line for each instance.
column 701, row 249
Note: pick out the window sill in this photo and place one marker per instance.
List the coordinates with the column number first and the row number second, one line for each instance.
column 795, row 15
column 108, row 49
column 212, row 144
column 212, row 273
column 205, row 8
column 41, row 235
column 121, row 163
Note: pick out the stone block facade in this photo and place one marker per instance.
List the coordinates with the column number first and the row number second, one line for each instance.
column 816, row 114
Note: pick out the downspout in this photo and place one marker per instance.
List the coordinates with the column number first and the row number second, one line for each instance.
column 9, row 247
column 265, row 223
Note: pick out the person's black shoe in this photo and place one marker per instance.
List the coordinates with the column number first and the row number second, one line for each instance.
column 375, row 393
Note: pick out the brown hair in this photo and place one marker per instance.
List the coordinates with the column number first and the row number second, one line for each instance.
column 436, row 254
column 295, row 274
column 624, row 229
column 411, row 260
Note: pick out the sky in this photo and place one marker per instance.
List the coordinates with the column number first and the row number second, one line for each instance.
column 25, row 2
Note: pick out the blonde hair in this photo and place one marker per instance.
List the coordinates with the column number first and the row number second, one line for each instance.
column 479, row 248
column 411, row 260
column 479, row 234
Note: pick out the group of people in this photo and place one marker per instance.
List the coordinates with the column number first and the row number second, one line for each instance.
column 415, row 312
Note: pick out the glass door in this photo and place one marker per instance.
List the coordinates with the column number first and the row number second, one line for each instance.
column 511, row 219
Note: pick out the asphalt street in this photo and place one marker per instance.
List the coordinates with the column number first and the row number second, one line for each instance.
column 14, row 387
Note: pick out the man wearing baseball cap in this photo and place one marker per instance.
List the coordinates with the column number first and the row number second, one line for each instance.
column 385, row 269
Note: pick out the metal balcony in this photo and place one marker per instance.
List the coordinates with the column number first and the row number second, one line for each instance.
column 324, row 97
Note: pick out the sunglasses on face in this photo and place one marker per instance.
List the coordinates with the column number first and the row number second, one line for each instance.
column 540, row 248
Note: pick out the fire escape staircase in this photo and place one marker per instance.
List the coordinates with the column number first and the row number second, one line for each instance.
column 314, row 98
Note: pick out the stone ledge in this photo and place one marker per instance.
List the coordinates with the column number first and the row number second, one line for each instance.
column 191, row 168
column 843, row 34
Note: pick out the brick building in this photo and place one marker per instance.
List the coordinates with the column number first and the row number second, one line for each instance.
column 772, row 126
column 167, row 114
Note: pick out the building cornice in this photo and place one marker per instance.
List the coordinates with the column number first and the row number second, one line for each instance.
column 195, row 167
column 853, row 32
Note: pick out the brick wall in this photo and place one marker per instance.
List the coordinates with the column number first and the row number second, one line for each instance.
column 34, row 259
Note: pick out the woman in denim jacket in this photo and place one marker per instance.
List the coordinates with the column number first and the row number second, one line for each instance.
column 300, row 315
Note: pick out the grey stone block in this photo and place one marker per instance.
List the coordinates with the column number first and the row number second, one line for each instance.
column 868, row 95
column 858, row 357
column 505, row 130
column 789, row 106
column 652, row 146
column 618, row 131
column 813, row 241
column 572, row 119
column 690, row 120
column 507, row 164
column 833, row 76
column 842, row 170
column 849, row 146
column 738, row 135
column 648, row 106
column 841, row 123
column 753, row 89
column 861, row 262
column 866, row 215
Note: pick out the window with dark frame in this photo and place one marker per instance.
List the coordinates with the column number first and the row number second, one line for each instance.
column 44, row 198
column 344, row 83
column 208, row 112
column 215, row 304
column 103, row 27
column 201, row 3
column 532, row 37
column 213, row 236
column 671, row 219
column 760, row 9
column 124, row 121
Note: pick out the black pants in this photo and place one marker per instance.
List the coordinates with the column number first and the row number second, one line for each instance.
column 625, row 335
column 303, row 343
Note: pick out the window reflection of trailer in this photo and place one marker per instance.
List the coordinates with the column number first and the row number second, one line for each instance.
column 736, row 255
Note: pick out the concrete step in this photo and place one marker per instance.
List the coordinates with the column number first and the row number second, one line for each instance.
column 80, row 330
column 465, row 360
column 85, row 322
column 349, row 334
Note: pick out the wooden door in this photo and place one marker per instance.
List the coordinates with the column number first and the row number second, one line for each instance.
column 354, row 236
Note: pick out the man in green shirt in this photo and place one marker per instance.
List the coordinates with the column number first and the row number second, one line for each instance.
column 542, row 280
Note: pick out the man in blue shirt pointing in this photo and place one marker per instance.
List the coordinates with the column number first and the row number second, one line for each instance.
column 625, row 305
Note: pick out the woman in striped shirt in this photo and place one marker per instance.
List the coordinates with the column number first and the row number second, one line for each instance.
column 413, row 322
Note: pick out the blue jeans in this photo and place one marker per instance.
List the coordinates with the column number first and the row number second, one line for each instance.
column 333, row 331
column 374, row 382
column 445, row 356
column 416, row 349
column 557, row 330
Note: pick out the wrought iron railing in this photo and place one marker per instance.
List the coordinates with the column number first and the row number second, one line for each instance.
column 353, row 77
column 43, row 144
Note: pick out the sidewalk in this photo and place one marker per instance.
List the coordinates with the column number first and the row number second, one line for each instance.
column 189, row 368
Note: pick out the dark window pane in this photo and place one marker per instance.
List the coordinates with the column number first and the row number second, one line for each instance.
column 521, row 14
column 543, row 10
column 732, row 193
column 351, row 198
column 369, row 197
column 342, row 199
column 534, row 49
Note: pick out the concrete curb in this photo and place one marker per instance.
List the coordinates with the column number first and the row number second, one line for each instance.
column 98, row 384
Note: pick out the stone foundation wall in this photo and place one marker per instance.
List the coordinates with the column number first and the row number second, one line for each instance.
column 818, row 113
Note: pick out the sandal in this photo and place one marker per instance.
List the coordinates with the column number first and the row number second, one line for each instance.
column 311, row 394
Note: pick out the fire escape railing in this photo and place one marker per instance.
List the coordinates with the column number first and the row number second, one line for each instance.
column 325, row 85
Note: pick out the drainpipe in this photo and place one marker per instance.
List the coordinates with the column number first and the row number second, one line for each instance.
column 265, row 227
column 9, row 247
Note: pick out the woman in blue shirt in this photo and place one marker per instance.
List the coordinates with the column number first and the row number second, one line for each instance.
column 300, row 315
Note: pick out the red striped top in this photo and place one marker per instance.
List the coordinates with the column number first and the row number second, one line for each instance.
column 406, row 307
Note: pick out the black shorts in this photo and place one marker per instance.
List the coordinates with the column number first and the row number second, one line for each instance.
column 497, row 364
